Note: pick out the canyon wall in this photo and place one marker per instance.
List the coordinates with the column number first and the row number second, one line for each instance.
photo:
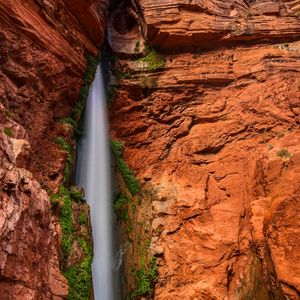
column 212, row 132
column 43, row 49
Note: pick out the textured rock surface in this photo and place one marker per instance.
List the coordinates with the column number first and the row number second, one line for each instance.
column 201, row 23
column 43, row 45
column 215, row 135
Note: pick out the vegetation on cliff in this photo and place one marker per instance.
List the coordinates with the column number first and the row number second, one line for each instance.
column 72, row 210
column 127, row 174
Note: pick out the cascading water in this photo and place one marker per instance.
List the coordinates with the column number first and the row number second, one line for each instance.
column 93, row 174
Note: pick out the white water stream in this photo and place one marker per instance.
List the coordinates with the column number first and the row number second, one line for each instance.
column 93, row 174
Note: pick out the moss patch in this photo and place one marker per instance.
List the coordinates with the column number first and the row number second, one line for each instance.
column 8, row 131
column 70, row 157
column 145, row 279
column 79, row 275
column 155, row 61
column 93, row 63
column 126, row 172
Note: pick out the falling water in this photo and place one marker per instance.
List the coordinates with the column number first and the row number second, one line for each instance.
column 93, row 173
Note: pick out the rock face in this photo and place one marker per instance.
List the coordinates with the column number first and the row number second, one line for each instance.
column 202, row 24
column 215, row 135
column 43, row 48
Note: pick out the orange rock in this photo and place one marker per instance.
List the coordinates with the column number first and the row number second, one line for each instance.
column 43, row 49
column 217, row 138
column 201, row 24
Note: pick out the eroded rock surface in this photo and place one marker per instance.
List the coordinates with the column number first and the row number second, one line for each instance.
column 216, row 135
column 201, row 23
column 43, row 49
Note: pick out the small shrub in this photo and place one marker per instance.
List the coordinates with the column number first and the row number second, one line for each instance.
column 8, row 131
column 155, row 61
column 284, row 153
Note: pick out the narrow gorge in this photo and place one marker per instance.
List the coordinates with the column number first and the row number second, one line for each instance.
column 192, row 191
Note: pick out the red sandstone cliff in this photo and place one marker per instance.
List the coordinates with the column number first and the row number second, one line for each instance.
column 214, row 136
column 43, row 48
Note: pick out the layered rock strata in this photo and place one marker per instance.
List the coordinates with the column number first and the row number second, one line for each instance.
column 43, row 48
column 215, row 135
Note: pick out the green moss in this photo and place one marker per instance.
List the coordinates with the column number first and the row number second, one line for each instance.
column 76, row 193
column 117, row 148
column 126, row 172
column 70, row 158
column 54, row 199
column 8, row 131
column 145, row 279
column 120, row 206
column 79, row 279
column 111, row 93
column 82, row 219
column 128, row 177
column 155, row 61
column 66, row 222
column 78, row 276
column 284, row 153
column 92, row 63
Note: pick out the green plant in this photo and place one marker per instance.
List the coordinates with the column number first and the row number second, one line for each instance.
column 69, row 161
column 8, row 131
column 128, row 177
column 66, row 221
column 284, row 153
column 153, row 269
column 126, row 172
column 145, row 278
column 82, row 219
column 120, row 206
column 54, row 199
column 117, row 148
column 111, row 93
column 155, row 61
column 76, row 193
column 78, row 276
column 92, row 64
column 270, row 146
column 79, row 279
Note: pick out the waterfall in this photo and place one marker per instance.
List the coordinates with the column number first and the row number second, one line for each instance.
column 93, row 174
